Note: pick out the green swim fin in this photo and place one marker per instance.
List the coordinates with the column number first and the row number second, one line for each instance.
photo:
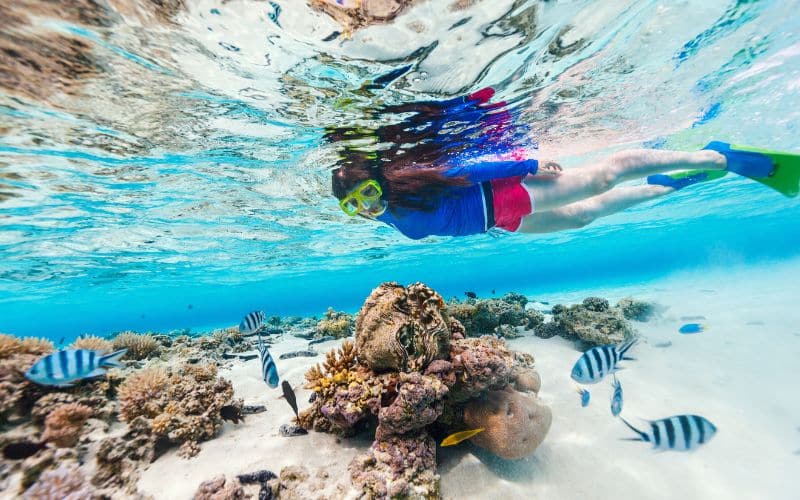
column 684, row 178
column 786, row 177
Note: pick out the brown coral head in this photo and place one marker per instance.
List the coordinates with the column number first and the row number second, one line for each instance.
column 402, row 328
column 515, row 423
column 139, row 346
column 63, row 425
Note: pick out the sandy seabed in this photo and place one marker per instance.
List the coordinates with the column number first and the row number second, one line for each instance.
column 741, row 373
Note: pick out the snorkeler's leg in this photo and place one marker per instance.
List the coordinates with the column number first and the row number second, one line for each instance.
column 552, row 191
column 579, row 214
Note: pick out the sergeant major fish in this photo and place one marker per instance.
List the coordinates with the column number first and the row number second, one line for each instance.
column 269, row 372
column 681, row 432
column 600, row 361
column 252, row 323
column 65, row 367
column 616, row 398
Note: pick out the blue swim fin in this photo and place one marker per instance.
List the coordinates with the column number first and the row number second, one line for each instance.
column 742, row 161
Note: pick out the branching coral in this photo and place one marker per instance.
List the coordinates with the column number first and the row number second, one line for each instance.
column 139, row 346
column 11, row 346
column 63, row 426
column 92, row 343
column 183, row 406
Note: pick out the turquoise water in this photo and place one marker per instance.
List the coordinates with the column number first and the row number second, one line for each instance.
column 177, row 176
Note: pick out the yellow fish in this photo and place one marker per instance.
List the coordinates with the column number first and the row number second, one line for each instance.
column 457, row 437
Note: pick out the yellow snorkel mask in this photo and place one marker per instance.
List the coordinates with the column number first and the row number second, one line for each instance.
column 361, row 198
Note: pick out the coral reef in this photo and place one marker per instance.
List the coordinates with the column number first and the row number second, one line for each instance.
column 139, row 346
column 636, row 310
column 63, row 483
column 592, row 322
column 183, row 406
column 64, row 424
column 412, row 371
column 499, row 316
column 219, row 488
column 334, row 324
column 398, row 467
column 515, row 423
column 16, row 357
column 92, row 343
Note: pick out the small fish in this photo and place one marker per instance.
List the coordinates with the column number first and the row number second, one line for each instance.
column 471, row 295
column 457, row 437
column 693, row 318
column 288, row 393
column 584, row 396
column 276, row 11
column 248, row 357
column 333, row 36
column 65, row 367
column 492, row 291
column 231, row 413
column 600, row 361
column 755, row 323
column 689, row 328
column 326, row 338
column 616, row 399
column 681, row 432
column 298, row 354
column 251, row 409
column 662, row 345
column 61, row 342
column 269, row 372
column 289, row 430
column 22, row 449
column 252, row 323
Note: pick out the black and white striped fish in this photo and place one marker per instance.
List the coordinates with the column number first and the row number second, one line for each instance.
column 252, row 323
column 600, row 361
column 276, row 12
column 681, row 432
column 65, row 367
column 269, row 372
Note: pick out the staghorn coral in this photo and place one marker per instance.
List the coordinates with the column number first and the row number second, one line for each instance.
column 64, row 424
column 139, row 346
column 334, row 324
column 35, row 346
column 92, row 343
column 402, row 329
column 63, row 483
column 184, row 406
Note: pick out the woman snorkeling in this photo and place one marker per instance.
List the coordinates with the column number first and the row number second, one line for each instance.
column 437, row 178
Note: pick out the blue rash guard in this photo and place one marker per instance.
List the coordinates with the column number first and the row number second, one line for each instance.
column 462, row 209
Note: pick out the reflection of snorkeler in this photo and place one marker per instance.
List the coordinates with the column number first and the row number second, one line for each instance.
column 440, row 186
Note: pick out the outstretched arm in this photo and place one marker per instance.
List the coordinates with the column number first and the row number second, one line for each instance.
column 487, row 170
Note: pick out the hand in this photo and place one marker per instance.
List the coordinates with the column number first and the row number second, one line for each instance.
column 549, row 169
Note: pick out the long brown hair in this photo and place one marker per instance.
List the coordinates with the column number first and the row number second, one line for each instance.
column 409, row 158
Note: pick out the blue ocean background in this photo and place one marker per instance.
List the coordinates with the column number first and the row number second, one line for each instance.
column 187, row 182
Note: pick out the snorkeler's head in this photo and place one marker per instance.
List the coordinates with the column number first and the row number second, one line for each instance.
column 358, row 192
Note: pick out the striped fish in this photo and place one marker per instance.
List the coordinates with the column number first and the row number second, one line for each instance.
column 63, row 368
column 616, row 399
column 681, row 432
column 600, row 361
column 276, row 12
column 252, row 323
column 269, row 372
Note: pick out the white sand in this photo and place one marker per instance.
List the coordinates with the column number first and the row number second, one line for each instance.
column 741, row 377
